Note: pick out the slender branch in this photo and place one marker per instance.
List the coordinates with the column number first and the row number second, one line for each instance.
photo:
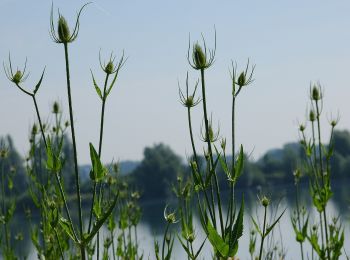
column 211, row 166
column 82, row 249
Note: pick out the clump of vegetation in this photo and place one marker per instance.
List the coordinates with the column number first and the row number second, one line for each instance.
column 45, row 162
column 326, row 236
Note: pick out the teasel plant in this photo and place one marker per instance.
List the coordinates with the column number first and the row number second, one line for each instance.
column 326, row 237
column 7, row 206
column 111, row 69
column 223, row 234
column 54, row 162
column 266, row 228
column 50, row 242
column 300, row 218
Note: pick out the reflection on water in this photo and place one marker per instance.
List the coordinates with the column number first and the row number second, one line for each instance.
column 153, row 224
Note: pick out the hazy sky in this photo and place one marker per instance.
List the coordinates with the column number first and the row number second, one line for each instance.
column 292, row 44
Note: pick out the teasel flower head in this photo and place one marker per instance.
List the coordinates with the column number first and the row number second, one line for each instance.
column 202, row 57
column 213, row 135
column 170, row 217
column 55, row 108
column 333, row 121
column 19, row 76
column 188, row 100
column 110, row 67
column 245, row 78
column 316, row 92
column 312, row 115
column 265, row 201
column 63, row 34
column 16, row 76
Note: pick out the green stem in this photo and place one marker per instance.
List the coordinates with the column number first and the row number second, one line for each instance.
column 65, row 205
column 299, row 221
column 39, row 119
column 211, row 166
column 82, row 248
column 113, row 245
column 263, row 234
column 164, row 238
column 196, row 159
column 322, row 175
column 136, row 243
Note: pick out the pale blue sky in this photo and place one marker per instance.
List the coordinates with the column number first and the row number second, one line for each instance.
column 292, row 43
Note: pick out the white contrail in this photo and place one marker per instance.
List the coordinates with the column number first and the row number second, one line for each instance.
column 102, row 9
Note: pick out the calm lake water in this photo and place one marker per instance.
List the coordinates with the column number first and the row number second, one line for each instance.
column 153, row 224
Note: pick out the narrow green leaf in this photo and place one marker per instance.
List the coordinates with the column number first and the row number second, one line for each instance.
column 67, row 227
column 100, row 222
column 256, row 226
column 39, row 83
column 269, row 229
column 98, row 90
column 185, row 247
column 239, row 164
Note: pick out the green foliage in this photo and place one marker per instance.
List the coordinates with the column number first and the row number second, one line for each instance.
column 158, row 170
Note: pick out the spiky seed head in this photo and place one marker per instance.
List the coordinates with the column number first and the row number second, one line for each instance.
column 301, row 128
column 191, row 237
column 109, row 67
column 55, row 108
column 17, row 77
column 63, row 30
column 241, row 80
column 199, row 57
column 315, row 93
column 312, row 116
column 171, row 218
column 334, row 123
column 189, row 102
column 265, row 201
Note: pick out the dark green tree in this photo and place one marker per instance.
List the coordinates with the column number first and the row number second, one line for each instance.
column 157, row 171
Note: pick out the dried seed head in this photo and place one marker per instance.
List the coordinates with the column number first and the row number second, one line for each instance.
column 63, row 30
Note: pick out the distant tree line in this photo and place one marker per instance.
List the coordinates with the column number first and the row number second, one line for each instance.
column 160, row 167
